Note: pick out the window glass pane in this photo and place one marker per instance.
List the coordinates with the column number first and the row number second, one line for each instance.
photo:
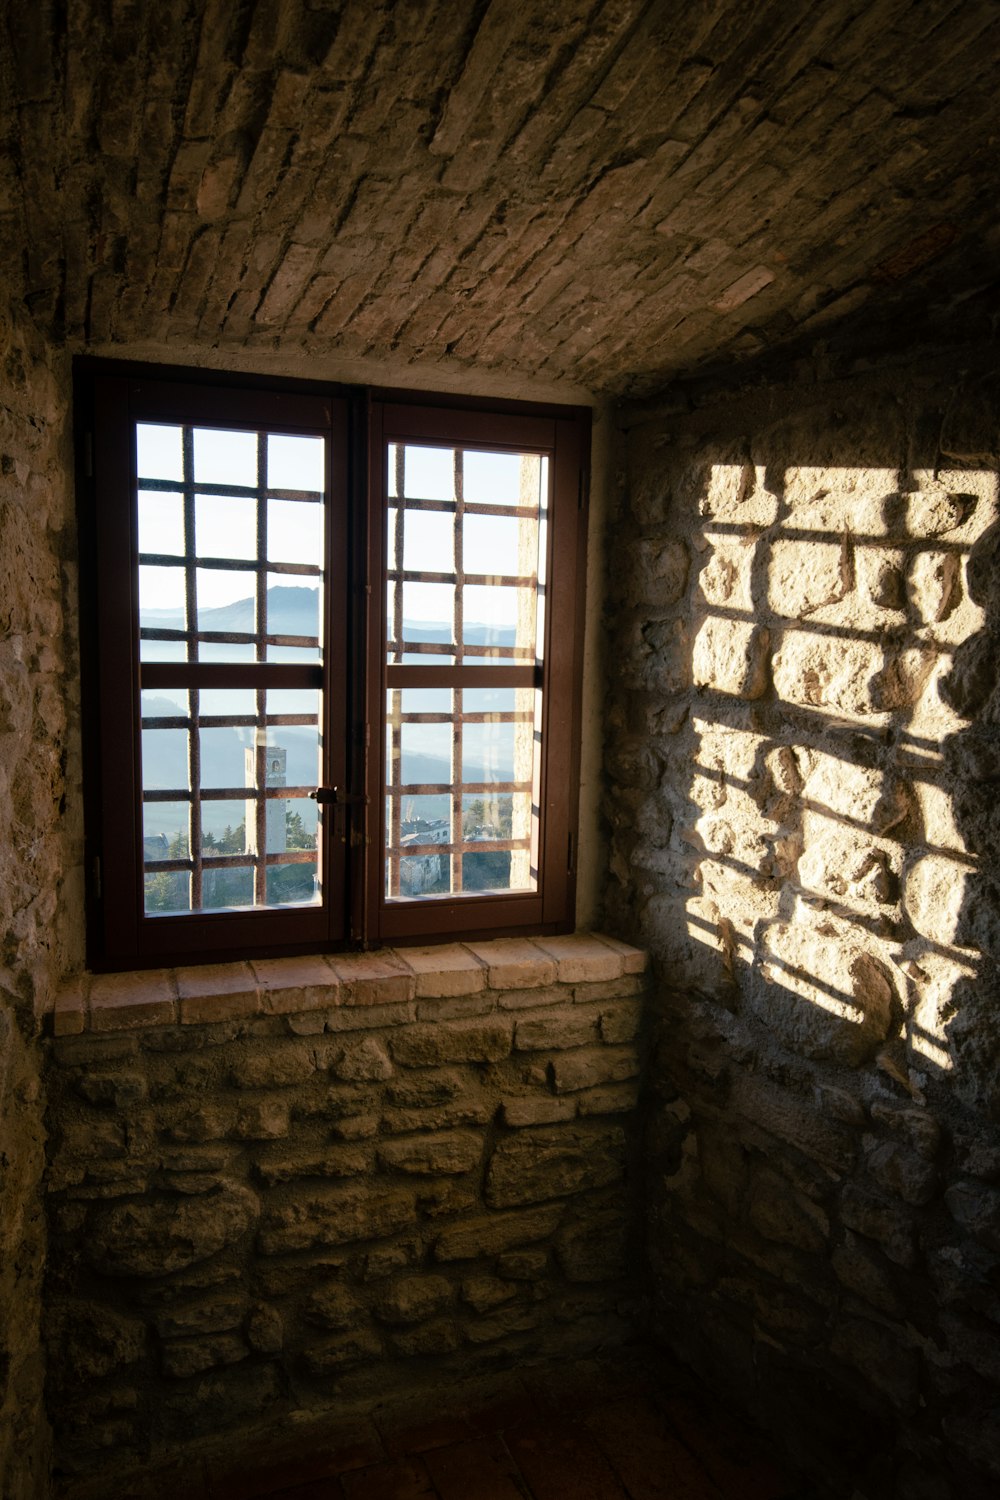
column 163, row 703
column 293, row 610
column 165, row 830
column 294, row 701
column 166, row 892
column 295, row 463
column 428, row 611
column 226, row 599
column 162, row 607
column 426, row 754
column 228, row 888
column 488, row 752
column 229, row 701
column 497, row 757
column 164, row 760
column 161, row 522
column 159, row 451
column 222, row 457
column 225, row 526
column 429, row 473
column 429, row 541
column 500, row 478
column 295, row 532
column 425, row 875
column 224, row 825
column 491, row 545
column 223, row 757
column 488, row 817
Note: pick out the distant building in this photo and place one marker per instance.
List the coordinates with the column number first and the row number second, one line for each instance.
column 275, row 761
column 421, row 872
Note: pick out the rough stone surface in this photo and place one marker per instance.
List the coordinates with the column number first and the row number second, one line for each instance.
column 804, row 835
column 237, row 1208
column 608, row 195
column 40, row 853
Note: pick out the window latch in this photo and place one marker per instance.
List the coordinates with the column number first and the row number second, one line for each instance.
column 333, row 796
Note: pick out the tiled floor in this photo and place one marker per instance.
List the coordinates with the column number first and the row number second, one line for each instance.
column 623, row 1428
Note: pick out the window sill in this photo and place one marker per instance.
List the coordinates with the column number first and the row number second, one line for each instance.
column 288, row 986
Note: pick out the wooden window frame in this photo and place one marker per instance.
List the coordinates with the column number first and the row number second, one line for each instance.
column 110, row 396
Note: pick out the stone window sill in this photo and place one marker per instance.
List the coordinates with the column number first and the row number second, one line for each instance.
column 287, row 986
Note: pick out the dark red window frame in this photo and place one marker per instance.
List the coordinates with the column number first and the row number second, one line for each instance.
column 110, row 397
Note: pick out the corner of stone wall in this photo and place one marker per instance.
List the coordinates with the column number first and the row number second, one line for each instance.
column 802, row 768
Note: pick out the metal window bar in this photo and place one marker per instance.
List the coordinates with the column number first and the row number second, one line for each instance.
column 517, row 674
column 197, row 860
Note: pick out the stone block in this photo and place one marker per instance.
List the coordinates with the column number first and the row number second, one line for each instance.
column 217, row 992
column 362, row 1061
column 413, row 1298
column 553, row 1163
column 491, row 1234
column 265, row 1329
column 581, row 958
column 472, row 1110
column 731, row 657
column 523, row 1265
column 157, row 1237
column 483, row 1293
column 902, row 1172
column 454, row 1041
column 976, row 1207
column 120, row 1002
column 779, row 1213
column 537, row 1109
column 219, row 1313
column 592, row 1249
column 334, row 1306
column 454, row 1153
column 444, row 971
column 264, row 1121
column 821, row 996
column 514, row 963
column 888, row 1224
column 335, row 1216
column 500, row 1325
column 531, row 999
column 68, row 1010
column 184, row 1357
column 591, row 1066
column 329, row 1161
column 291, row 985
column 340, row 1354
column 620, row 1023
column 274, row 1065
column 611, row 1099
column 566, row 1029
column 373, row 978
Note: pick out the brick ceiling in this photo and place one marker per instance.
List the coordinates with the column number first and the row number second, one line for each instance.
column 608, row 192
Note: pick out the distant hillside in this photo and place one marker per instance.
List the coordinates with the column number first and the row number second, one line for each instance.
column 295, row 611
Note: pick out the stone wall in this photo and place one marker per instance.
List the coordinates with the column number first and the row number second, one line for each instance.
column 803, row 806
column 307, row 1182
column 33, row 858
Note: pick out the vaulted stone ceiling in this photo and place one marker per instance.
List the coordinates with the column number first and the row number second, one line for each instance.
column 604, row 191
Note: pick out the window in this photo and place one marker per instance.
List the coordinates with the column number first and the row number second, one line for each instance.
column 332, row 664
